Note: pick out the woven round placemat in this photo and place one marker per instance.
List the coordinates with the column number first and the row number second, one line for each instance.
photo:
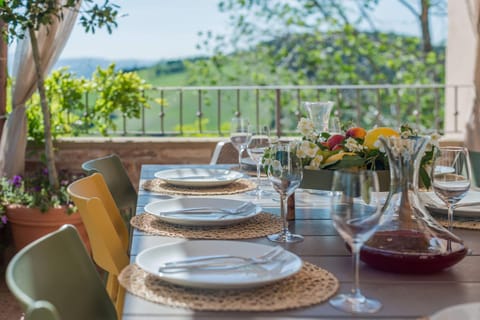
column 160, row 186
column 312, row 285
column 260, row 225
column 462, row 224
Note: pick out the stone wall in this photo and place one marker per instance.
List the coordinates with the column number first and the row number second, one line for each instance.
column 71, row 153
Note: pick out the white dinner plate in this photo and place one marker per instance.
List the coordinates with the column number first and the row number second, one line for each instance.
column 435, row 205
column 201, row 177
column 467, row 311
column 283, row 266
column 171, row 211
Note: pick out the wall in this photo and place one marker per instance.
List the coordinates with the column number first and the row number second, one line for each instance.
column 71, row 153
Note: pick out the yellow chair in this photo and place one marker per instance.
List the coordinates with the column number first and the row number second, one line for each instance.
column 106, row 230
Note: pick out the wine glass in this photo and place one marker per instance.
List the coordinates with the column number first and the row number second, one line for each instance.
column 356, row 211
column 285, row 172
column 239, row 136
column 451, row 177
column 258, row 142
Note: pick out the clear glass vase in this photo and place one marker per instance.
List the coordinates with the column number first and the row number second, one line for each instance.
column 409, row 239
column 319, row 113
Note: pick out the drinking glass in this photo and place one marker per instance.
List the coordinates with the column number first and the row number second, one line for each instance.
column 258, row 142
column 239, row 136
column 356, row 211
column 285, row 173
column 451, row 177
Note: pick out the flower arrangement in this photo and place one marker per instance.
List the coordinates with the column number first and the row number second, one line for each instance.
column 355, row 147
column 35, row 191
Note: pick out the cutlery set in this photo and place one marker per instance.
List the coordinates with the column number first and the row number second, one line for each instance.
column 220, row 262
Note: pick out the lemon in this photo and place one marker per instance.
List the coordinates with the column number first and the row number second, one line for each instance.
column 338, row 156
column 372, row 136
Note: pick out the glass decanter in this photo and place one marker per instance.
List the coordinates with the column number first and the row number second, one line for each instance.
column 409, row 239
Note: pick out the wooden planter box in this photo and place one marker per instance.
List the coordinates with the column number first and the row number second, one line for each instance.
column 322, row 179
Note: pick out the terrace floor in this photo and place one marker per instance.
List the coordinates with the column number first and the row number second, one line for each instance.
column 9, row 307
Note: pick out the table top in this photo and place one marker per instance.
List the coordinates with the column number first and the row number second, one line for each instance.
column 404, row 296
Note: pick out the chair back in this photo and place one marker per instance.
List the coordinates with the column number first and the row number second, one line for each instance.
column 224, row 153
column 107, row 233
column 117, row 180
column 54, row 278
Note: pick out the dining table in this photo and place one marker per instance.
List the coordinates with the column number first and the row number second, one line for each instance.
column 403, row 296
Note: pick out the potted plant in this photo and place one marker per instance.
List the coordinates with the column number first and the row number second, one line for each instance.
column 26, row 200
column 26, row 18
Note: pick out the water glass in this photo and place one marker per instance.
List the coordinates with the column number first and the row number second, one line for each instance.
column 239, row 136
column 258, row 142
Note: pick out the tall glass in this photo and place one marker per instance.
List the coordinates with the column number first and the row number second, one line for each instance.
column 239, row 136
column 258, row 142
column 355, row 210
column 451, row 177
column 319, row 113
column 285, row 172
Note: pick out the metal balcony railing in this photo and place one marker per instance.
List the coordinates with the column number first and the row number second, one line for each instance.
column 189, row 111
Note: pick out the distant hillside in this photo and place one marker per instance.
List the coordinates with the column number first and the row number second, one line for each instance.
column 86, row 66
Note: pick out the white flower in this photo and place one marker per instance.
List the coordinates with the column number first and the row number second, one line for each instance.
column 434, row 141
column 276, row 165
column 306, row 127
column 315, row 163
column 352, row 145
column 307, row 149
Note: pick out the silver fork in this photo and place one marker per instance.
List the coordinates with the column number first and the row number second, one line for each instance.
column 201, row 210
column 220, row 262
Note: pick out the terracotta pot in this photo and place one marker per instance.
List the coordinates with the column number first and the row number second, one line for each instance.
column 29, row 224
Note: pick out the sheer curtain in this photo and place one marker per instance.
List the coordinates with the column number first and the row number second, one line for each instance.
column 472, row 137
column 51, row 42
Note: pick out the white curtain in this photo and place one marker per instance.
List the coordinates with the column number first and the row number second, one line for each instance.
column 472, row 137
column 51, row 41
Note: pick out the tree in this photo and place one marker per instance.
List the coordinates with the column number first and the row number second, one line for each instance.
column 26, row 17
column 316, row 42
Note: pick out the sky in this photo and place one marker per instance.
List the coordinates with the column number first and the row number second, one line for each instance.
column 166, row 29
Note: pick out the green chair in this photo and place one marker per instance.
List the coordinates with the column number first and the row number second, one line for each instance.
column 475, row 162
column 118, row 183
column 54, row 278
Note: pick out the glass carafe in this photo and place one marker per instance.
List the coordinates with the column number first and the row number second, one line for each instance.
column 409, row 240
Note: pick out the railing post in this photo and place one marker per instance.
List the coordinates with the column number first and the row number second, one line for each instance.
column 199, row 111
column 219, row 112
column 278, row 111
column 181, row 111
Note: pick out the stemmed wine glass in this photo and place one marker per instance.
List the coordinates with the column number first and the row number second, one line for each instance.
column 239, row 136
column 356, row 211
column 451, row 177
column 285, row 172
column 258, row 142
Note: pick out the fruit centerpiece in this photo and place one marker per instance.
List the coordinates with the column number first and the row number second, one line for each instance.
column 353, row 147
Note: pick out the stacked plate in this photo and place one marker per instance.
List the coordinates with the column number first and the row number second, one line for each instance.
column 191, row 177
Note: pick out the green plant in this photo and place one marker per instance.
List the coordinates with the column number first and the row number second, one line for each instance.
column 117, row 91
column 35, row 191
